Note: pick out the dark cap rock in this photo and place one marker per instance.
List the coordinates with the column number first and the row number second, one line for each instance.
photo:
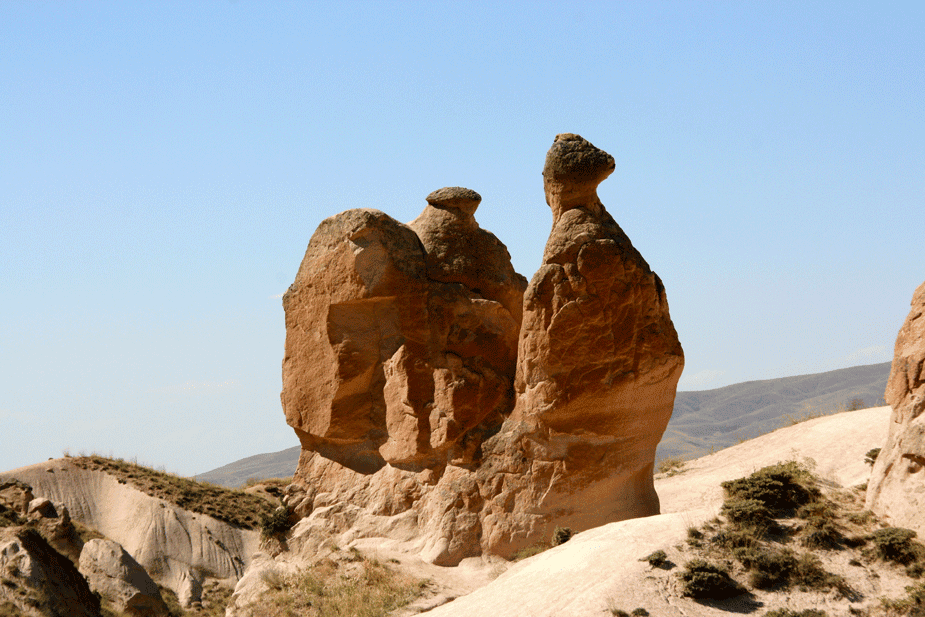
column 573, row 170
column 456, row 197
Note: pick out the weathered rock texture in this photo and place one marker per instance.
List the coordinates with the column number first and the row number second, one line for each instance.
column 426, row 412
column 113, row 573
column 896, row 490
column 38, row 581
column 172, row 544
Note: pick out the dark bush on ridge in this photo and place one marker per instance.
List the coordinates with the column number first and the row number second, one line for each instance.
column 706, row 581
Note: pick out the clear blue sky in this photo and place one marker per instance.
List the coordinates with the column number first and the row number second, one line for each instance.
column 164, row 164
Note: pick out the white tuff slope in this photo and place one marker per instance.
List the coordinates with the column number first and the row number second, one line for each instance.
column 171, row 543
column 601, row 568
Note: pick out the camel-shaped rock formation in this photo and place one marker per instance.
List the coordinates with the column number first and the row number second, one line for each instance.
column 441, row 400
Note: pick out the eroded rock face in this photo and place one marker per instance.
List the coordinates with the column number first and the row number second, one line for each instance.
column 393, row 354
column 896, row 490
column 116, row 576
column 40, row 581
column 437, row 403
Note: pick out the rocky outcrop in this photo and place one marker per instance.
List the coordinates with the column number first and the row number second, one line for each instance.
column 172, row 544
column 113, row 573
column 36, row 580
column 896, row 490
column 437, row 403
column 394, row 354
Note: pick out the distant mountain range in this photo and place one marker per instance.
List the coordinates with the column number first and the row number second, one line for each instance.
column 701, row 422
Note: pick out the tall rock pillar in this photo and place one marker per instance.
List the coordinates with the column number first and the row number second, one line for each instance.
column 598, row 364
column 896, row 489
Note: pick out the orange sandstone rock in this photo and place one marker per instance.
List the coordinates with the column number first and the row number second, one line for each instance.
column 896, row 490
column 438, row 404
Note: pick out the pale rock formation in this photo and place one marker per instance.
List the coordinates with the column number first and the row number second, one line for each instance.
column 896, row 490
column 170, row 543
column 402, row 347
column 113, row 573
column 40, row 582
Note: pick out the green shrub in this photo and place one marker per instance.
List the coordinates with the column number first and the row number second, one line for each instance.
column 821, row 533
column 657, row 559
column 275, row 524
column 706, row 581
column 808, row 573
column 871, row 457
column 896, row 544
column 734, row 538
column 767, row 569
column 561, row 535
column 750, row 513
column 640, row 612
column 780, row 488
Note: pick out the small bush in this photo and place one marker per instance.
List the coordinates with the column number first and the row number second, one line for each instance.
column 780, row 488
column 734, row 538
column 916, row 570
column 809, row 574
column 640, row 612
column 871, row 457
column 821, row 533
column 706, row 581
column 561, row 535
column 770, row 569
column 856, row 403
column 896, row 544
column 657, row 559
column 275, row 524
column 747, row 513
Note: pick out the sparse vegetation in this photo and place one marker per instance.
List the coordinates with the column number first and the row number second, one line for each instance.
column 871, row 457
column 275, row 524
column 9, row 517
column 703, row 580
column 786, row 612
column 234, row 507
column 561, row 535
column 365, row 589
column 780, row 488
column 896, row 544
column 656, row 559
column 530, row 551
column 670, row 466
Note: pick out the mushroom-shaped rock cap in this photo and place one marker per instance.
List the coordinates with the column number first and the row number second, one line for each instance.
column 574, row 167
column 457, row 197
column 573, row 158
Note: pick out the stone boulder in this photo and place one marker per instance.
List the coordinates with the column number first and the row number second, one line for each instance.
column 896, row 490
column 116, row 576
column 439, row 405
column 38, row 581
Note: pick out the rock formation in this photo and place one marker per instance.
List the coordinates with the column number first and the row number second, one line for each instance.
column 597, row 368
column 896, row 490
column 436, row 402
column 113, row 573
column 36, row 579
column 172, row 544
